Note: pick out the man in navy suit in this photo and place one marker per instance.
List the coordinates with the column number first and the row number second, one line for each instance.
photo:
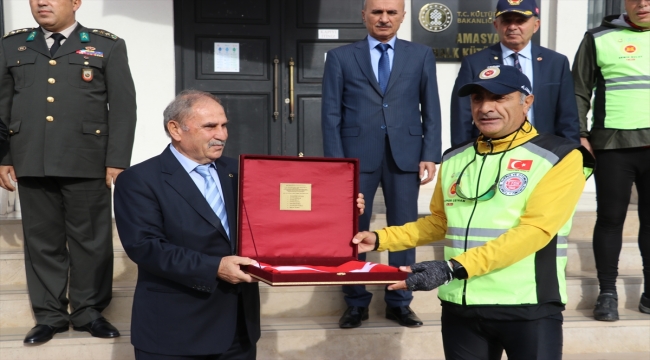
column 176, row 217
column 555, row 110
column 380, row 105
column 4, row 133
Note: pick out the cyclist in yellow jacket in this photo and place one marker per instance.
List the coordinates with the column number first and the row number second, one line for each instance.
column 503, row 202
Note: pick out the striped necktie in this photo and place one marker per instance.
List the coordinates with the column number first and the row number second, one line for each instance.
column 212, row 195
column 515, row 56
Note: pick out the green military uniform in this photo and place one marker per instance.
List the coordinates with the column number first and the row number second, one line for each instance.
column 70, row 116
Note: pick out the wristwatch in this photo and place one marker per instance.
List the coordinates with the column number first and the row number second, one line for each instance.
column 458, row 270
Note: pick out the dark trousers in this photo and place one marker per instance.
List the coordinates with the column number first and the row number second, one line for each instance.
column 241, row 348
column 401, row 191
column 481, row 339
column 615, row 172
column 67, row 227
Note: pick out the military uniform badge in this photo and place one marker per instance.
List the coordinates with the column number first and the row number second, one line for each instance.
column 87, row 74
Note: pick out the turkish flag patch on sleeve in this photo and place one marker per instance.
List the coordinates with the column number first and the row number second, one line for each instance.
column 515, row 164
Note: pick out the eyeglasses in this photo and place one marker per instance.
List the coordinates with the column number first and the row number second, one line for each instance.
column 487, row 195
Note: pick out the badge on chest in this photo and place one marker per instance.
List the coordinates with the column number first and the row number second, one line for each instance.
column 87, row 74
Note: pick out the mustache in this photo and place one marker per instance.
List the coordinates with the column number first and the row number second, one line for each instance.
column 216, row 143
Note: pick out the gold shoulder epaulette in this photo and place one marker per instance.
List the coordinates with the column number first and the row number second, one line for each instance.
column 18, row 31
column 104, row 33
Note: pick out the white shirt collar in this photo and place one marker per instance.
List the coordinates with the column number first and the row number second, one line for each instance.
column 525, row 52
column 66, row 32
column 188, row 164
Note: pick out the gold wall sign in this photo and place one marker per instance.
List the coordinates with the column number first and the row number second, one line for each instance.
column 295, row 197
column 454, row 29
column 435, row 17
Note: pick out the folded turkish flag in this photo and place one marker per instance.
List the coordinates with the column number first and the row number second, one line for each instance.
column 348, row 267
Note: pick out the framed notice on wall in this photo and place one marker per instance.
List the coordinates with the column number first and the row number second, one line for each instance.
column 455, row 28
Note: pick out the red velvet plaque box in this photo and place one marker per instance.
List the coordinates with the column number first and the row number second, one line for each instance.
column 297, row 217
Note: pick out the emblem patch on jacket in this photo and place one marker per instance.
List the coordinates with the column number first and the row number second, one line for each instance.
column 87, row 74
column 513, row 184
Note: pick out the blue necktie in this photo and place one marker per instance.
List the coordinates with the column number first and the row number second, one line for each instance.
column 212, row 195
column 515, row 56
column 384, row 66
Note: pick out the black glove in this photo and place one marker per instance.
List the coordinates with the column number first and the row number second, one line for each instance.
column 428, row 275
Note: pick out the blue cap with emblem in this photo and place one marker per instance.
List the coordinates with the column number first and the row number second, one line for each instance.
column 526, row 8
column 500, row 80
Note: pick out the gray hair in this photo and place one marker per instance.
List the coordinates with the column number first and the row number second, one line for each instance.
column 364, row 5
column 181, row 107
column 522, row 99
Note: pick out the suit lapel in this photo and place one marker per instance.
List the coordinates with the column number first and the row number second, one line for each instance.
column 180, row 180
column 71, row 44
column 496, row 56
column 362, row 54
column 537, row 68
column 38, row 44
column 401, row 56
column 226, row 179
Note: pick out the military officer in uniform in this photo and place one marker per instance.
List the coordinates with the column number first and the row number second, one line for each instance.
column 68, row 99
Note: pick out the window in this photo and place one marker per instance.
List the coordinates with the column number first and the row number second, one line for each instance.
column 598, row 9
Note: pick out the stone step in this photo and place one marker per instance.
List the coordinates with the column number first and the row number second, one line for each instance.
column 15, row 307
column 11, row 235
column 378, row 338
column 580, row 253
column 584, row 222
column 308, row 301
column 582, row 290
column 11, row 232
column 12, row 267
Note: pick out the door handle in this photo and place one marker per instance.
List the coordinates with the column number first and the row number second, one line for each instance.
column 292, row 115
column 276, row 113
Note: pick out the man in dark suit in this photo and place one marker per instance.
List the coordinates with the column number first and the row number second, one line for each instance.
column 176, row 217
column 555, row 110
column 4, row 134
column 380, row 104
column 68, row 99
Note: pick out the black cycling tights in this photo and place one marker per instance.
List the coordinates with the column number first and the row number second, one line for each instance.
column 616, row 170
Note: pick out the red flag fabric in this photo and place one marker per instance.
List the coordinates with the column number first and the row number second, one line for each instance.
column 348, row 267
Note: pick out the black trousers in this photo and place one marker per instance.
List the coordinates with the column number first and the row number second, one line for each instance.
column 616, row 170
column 67, row 227
column 480, row 339
column 241, row 349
